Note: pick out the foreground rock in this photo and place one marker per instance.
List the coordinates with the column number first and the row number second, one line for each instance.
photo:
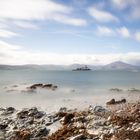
column 96, row 123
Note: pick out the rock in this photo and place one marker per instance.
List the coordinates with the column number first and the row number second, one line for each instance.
column 47, row 86
column 111, row 102
column 63, row 109
column 41, row 132
column 8, row 111
column 21, row 135
column 22, row 114
column 3, row 126
column 48, row 123
column 2, row 109
column 78, row 137
column 35, row 86
column 116, row 89
column 33, row 112
column 68, row 118
column 99, row 109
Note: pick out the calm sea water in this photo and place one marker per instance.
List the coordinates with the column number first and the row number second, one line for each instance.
column 75, row 88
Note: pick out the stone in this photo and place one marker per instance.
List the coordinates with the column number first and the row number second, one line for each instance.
column 41, row 132
column 8, row 111
column 68, row 118
column 99, row 109
column 3, row 126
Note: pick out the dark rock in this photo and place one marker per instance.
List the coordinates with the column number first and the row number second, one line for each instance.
column 43, row 131
column 47, row 86
column 3, row 126
column 34, row 86
column 99, row 109
column 8, row 111
column 33, row 112
column 112, row 101
column 63, row 109
column 68, row 118
column 22, row 114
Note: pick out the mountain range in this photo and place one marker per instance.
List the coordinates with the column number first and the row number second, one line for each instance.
column 115, row 66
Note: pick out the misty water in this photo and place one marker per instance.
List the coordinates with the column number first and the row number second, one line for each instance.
column 76, row 89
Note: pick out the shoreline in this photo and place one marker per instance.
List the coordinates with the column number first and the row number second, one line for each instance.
column 96, row 122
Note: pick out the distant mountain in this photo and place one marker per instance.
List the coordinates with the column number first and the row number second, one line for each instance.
column 118, row 65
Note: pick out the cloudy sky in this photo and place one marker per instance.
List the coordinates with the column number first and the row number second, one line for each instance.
column 69, row 31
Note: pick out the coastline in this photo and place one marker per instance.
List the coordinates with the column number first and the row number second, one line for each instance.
column 115, row 122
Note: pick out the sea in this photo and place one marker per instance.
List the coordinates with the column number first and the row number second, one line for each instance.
column 76, row 89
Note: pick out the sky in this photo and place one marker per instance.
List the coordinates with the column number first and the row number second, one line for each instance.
column 64, row 32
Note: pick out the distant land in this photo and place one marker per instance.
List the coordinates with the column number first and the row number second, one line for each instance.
column 115, row 66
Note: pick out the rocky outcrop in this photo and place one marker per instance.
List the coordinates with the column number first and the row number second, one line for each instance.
column 43, row 86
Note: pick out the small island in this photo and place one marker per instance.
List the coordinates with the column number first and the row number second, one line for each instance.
column 85, row 68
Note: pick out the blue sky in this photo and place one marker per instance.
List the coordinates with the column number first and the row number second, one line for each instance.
column 69, row 31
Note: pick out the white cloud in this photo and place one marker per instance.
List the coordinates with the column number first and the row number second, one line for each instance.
column 101, row 15
column 71, row 21
column 118, row 32
column 105, row 31
column 38, row 10
column 14, row 54
column 136, row 11
column 7, row 34
column 121, row 4
column 132, row 5
column 124, row 32
column 25, row 24
column 137, row 36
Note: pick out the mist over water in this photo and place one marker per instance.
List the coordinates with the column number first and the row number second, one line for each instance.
column 75, row 88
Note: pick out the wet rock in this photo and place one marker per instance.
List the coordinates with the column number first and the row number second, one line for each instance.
column 116, row 89
column 47, row 86
column 35, row 86
column 113, row 102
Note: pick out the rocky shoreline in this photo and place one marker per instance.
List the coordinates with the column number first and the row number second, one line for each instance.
column 116, row 122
